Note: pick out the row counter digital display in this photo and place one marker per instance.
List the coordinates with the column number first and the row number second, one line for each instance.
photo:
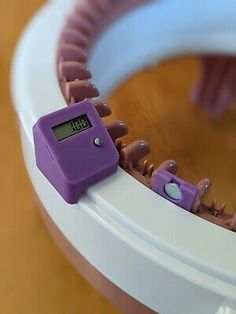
column 74, row 150
column 72, row 127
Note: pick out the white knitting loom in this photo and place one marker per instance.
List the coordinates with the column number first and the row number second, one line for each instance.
column 166, row 258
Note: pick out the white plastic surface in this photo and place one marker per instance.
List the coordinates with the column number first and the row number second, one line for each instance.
column 167, row 258
column 227, row 308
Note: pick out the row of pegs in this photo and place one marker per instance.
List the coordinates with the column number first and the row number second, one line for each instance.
column 78, row 34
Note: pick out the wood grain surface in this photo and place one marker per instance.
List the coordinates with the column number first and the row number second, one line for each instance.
column 35, row 277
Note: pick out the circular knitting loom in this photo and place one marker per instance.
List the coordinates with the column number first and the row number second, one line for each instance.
column 143, row 236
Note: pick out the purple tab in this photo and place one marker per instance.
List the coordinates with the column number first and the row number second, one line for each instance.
column 174, row 189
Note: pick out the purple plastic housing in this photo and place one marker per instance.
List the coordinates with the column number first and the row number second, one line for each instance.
column 74, row 163
column 162, row 178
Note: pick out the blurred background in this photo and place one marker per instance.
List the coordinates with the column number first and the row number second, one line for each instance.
column 35, row 277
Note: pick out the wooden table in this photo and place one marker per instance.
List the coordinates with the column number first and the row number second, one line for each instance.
column 35, row 277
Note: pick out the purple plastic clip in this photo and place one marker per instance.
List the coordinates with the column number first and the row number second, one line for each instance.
column 174, row 189
column 74, row 150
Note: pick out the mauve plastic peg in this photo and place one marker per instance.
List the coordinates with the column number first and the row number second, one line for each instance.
column 101, row 5
column 203, row 188
column 80, row 24
column 73, row 36
column 215, row 90
column 80, row 90
column 88, row 11
column 102, row 108
column 70, row 52
column 72, row 70
column 117, row 129
column 133, row 153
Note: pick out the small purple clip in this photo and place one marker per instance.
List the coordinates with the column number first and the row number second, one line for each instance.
column 174, row 189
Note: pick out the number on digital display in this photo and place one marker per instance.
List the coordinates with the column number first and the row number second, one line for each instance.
column 71, row 127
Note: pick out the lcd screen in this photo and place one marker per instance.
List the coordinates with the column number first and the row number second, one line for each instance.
column 72, row 127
